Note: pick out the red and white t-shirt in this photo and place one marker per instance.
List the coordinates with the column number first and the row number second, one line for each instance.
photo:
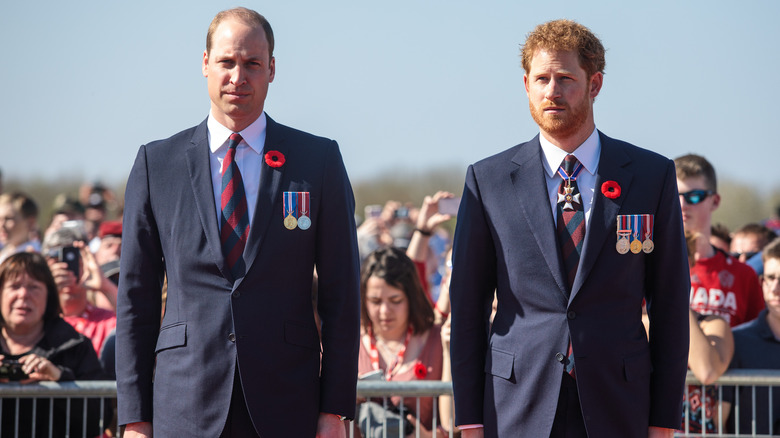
column 95, row 323
column 721, row 285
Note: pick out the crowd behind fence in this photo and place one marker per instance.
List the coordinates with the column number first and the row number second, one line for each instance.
column 106, row 390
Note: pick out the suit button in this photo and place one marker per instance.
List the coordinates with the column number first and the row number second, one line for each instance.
column 236, row 294
column 232, row 338
column 571, row 315
column 560, row 357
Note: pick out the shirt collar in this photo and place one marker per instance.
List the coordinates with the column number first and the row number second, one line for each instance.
column 253, row 135
column 587, row 153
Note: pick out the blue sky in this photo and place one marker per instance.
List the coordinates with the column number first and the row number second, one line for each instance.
column 402, row 85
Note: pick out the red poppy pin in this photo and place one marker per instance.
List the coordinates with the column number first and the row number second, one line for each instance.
column 611, row 189
column 420, row 370
column 274, row 158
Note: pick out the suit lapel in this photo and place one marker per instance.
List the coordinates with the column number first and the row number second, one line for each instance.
column 603, row 217
column 197, row 155
column 531, row 190
column 267, row 194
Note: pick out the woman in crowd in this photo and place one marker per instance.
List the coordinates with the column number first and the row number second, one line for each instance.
column 38, row 345
column 399, row 340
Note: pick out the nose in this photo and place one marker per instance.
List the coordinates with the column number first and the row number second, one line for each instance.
column 237, row 76
column 552, row 90
column 683, row 204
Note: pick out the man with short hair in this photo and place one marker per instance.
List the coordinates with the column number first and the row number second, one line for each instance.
column 757, row 346
column 572, row 230
column 749, row 240
column 236, row 213
column 720, row 284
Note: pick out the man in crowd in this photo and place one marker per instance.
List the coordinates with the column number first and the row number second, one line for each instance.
column 573, row 230
column 720, row 284
column 757, row 346
column 236, row 213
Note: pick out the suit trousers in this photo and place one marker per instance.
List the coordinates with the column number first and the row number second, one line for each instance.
column 568, row 422
column 239, row 423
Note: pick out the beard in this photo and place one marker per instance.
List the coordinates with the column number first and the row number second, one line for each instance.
column 563, row 125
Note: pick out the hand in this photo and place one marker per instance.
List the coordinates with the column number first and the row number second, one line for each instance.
column 660, row 432
column 39, row 368
column 138, row 430
column 429, row 217
column 91, row 275
column 330, row 426
column 63, row 277
column 472, row 433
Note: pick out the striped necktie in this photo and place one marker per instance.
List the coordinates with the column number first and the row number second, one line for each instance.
column 235, row 214
column 571, row 217
column 571, row 229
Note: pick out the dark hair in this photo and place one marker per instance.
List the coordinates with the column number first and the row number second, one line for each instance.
column 248, row 16
column 393, row 266
column 34, row 265
column 565, row 36
column 721, row 232
column 764, row 233
column 694, row 166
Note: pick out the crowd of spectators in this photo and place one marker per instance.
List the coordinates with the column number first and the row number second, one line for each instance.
column 59, row 285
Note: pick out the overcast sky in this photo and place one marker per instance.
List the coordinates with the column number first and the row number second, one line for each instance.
column 400, row 85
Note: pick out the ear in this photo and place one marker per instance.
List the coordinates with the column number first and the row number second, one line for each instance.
column 595, row 84
column 715, row 201
column 525, row 82
column 205, row 66
column 272, row 67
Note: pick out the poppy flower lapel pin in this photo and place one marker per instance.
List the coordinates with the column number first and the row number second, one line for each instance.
column 611, row 189
column 274, row 159
column 420, row 370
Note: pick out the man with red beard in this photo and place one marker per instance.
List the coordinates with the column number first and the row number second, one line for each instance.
column 573, row 230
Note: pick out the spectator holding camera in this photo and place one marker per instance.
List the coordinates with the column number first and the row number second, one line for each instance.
column 428, row 219
column 37, row 345
column 76, row 281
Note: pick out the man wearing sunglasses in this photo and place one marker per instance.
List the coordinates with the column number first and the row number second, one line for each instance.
column 720, row 284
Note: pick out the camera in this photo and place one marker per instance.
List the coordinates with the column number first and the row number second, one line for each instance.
column 69, row 255
column 12, row 370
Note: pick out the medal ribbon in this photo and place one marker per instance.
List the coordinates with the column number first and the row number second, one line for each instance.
column 636, row 225
column 290, row 206
column 648, row 218
column 399, row 359
column 574, row 173
column 303, row 203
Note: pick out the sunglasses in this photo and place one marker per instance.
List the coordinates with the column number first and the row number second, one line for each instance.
column 696, row 196
column 748, row 255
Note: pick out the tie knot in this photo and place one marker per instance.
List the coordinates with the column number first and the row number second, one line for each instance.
column 235, row 139
column 569, row 163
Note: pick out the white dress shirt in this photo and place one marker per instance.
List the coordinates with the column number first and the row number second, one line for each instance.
column 249, row 159
column 588, row 154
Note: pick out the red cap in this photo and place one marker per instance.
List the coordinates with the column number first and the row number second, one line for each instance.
column 110, row 228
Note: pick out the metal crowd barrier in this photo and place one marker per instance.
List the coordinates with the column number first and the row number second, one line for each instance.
column 82, row 390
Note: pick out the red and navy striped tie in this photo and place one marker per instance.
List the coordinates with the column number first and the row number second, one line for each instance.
column 571, row 217
column 235, row 214
column 571, row 228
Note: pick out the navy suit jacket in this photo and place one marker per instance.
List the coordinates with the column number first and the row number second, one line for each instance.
column 179, row 373
column 508, row 376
